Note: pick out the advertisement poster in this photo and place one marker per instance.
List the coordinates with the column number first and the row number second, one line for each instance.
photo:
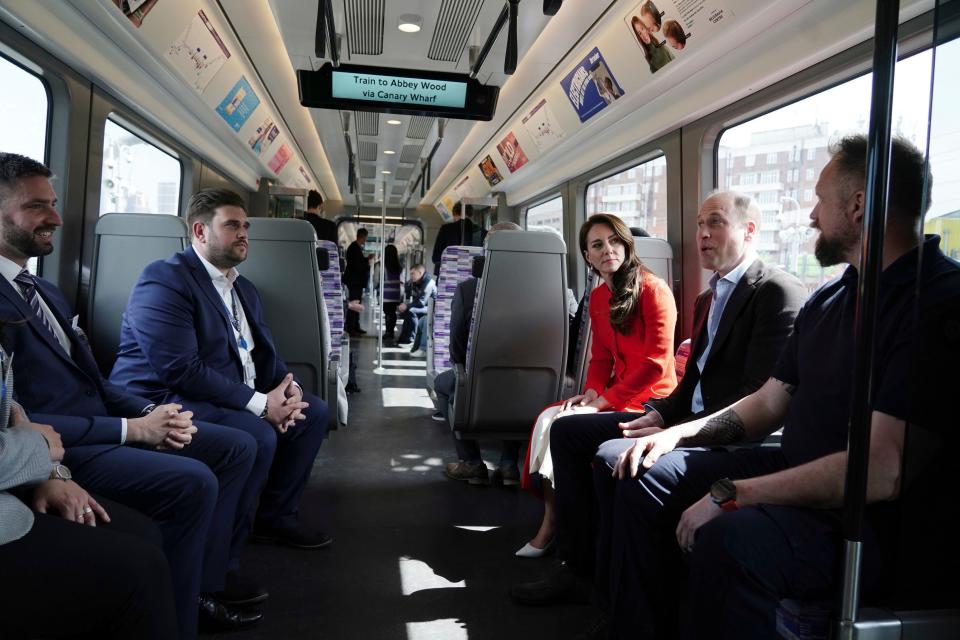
column 199, row 53
column 542, row 126
column 265, row 134
column 237, row 106
column 663, row 29
column 590, row 86
column 303, row 176
column 489, row 171
column 511, row 152
column 135, row 10
column 445, row 209
column 280, row 158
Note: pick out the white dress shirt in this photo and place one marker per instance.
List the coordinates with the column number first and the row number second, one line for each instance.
column 244, row 337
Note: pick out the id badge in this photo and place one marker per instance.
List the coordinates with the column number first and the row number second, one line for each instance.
column 249, row 370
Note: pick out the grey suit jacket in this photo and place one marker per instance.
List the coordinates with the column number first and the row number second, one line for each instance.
column 24, row 460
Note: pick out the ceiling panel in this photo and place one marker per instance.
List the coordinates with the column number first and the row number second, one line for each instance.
column 454, row 23
column 410, row 153
column 364, row 20
column 368, row 124
column 367, row 151
column 419, row 127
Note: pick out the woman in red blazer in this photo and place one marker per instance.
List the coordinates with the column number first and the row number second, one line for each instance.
column 633, row 316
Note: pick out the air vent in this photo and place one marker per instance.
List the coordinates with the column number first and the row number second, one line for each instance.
column 403, row 173
column 369, row 199
column 398, row 189
column 410, row 153
column 367, row 151
column 454, row 24
column 367, row 187
column 368, row 124
column 368, row 171
column 419, row 127
column 364, row 26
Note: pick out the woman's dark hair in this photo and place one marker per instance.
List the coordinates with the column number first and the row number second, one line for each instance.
column 391, row 258
column 628, row 280
column 644, row 47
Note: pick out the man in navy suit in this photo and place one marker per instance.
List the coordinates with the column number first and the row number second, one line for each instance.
column 193, row 333
column 112, row 437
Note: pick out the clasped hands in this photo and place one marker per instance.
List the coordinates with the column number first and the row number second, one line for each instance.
column 285, row 405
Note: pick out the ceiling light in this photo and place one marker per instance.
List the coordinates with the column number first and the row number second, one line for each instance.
column 393, row 121
column 385, row 172
column 388, row 152
column 409, row 23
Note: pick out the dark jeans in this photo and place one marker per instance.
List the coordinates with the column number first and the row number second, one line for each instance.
column 410, row 322
column 63, row 579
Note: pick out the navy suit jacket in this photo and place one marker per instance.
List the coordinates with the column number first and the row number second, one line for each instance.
column 65, row 392
column 177, row 343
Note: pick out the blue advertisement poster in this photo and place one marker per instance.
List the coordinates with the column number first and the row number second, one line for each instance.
column 590, row 86
column 238, row 105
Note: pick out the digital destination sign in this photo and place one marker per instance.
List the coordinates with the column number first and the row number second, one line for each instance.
column 388, row 90
column 405, row 91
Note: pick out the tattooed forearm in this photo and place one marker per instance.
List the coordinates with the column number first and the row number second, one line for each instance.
column 726, row 428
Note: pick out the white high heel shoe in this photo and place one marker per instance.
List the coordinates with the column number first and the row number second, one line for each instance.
column 530, row 551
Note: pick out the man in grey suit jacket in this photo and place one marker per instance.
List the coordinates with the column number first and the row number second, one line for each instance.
column 741, row 324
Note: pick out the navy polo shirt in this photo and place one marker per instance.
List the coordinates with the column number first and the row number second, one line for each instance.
column 818, row 358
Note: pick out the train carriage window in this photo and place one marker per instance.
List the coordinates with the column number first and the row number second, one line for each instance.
column 637, row 195
column 137, row 176
column 24, row 108
column 799, row 134
column 546, row 214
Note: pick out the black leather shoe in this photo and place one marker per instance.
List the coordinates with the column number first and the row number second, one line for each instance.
column 216, row 616
column 559, row 587
column 352, row 388
column 298, row 538
column 240, row 592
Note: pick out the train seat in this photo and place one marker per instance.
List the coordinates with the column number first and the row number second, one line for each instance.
column 339, row 343
column 680, row 359
column 282, row 263
column 124, row 244
column 518, row 338
column 455, row 267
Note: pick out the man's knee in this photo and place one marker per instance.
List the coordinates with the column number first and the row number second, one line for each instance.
column 609, row 452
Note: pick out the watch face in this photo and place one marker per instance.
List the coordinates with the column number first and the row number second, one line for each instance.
column 723, row 490
column 62, row 472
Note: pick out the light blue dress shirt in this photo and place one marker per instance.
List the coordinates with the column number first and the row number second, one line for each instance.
column 721, row 288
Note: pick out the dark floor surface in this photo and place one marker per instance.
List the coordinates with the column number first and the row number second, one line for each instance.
column 399, row 567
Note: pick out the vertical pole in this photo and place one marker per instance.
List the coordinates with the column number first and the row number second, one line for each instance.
column 383, row 267
column 877, row 192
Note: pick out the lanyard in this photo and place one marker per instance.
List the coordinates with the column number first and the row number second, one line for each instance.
column 235, row 320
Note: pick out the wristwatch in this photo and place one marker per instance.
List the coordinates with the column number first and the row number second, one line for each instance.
column 724, row 494
column 60, row 472
column 263, row 414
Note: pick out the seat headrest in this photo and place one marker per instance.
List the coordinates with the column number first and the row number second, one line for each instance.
column 527, row 241
column 323, row 258
column 476, row 269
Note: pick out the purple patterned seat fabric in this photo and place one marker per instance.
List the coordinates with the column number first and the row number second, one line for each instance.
column 333, row 297
column 456, row 265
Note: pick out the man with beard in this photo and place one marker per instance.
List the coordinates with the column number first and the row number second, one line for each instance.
column 194, row 333
column 113, row 438
column 761, row 524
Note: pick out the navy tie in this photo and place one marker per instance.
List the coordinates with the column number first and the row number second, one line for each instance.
column 29, row 290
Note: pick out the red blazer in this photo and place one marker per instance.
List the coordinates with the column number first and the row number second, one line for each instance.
column 627, row 370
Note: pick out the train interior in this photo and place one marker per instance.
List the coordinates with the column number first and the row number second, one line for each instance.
column 137, row 104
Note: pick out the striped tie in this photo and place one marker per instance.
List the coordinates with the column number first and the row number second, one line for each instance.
column 29, row 290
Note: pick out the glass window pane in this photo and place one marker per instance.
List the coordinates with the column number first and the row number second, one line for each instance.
column 798, row 135
column 637, row 195
column 547, row 214
column 24, row 109
column 137, row 177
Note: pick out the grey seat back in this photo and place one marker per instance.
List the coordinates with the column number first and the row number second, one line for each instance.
column 517, row 345
column 282, row 263
column 456, row 265
column 124, row 244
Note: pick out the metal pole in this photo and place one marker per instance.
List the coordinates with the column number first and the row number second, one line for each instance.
column 383, row 268
column 876, row 195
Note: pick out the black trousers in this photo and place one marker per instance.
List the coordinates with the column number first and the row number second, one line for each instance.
column 390, row 318
column 352, row 321
column 64, row 579
column 573, row 444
